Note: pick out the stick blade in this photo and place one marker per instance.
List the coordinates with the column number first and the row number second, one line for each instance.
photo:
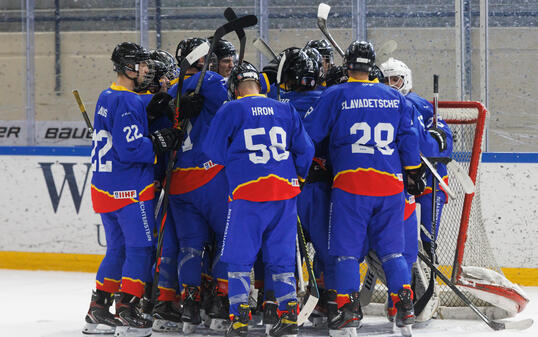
column 462, row 177
column 323, row 11
column 307, row 309
column 518, row 325
column 197, row 53
column 263, row 48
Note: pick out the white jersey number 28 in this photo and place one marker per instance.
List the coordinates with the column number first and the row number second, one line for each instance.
column 383, row 137
column 277, row 136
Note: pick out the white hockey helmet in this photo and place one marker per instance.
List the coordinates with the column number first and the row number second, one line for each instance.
column 394, row 67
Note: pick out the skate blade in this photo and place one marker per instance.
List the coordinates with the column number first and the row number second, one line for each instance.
column 406, row 331
column 219, row 324
column 344, row 332
column 128, row 331
column 98, row 329
column 162, row 325
column 189, row 328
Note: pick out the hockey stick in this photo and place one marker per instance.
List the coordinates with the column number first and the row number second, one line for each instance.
column 240, row 23
column 323, row 14
column 196, row 54
column 436, row 175
column 83, row 110
column 264, row 48
column 461, row 176
column 368, row 287
column 230, row 15
column 421, row 303
column 279, row 75
column 313, row 297
column 495, row 325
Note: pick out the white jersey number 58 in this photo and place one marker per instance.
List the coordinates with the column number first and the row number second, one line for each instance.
column 277, row 136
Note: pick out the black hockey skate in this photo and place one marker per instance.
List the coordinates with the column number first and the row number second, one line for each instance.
column 403, row 302
column 167, row 317
column 146, row 306
column 347, row 319
column 239, row 325
column 220, row 313
column 99, row 320
column 270, row 311
column 131, row 323
column 287, row 325
column 191, row 310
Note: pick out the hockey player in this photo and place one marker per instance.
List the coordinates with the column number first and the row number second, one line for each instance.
column 301, row 72
column 198, row 195
column 326, row 51
column 371, row 143
column 433, row 142
column 122, row 192
column 226, row 57
column 265, row 150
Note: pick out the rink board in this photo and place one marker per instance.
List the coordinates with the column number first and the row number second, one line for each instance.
column 48, row 223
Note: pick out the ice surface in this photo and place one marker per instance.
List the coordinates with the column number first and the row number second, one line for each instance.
column 53, row 304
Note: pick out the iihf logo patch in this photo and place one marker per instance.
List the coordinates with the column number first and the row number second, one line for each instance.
column 295, row 182
column 209, row 164
column 399, row 176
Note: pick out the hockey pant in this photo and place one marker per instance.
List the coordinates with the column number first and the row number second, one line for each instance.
column 355, row 221
column 271, row 227
column 195, row 215
column 313, row 209
column 128, row 259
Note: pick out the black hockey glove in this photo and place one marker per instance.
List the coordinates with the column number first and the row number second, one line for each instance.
column 376, row 73
column 440, row 136
column 159, row 106
column 190, row 105
column 416, row 180
column 165, row 140
column 270, row 70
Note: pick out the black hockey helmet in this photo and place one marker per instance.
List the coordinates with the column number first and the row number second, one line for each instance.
column 244, row 71
column 185, row 47
column 168, row 60
column 324, row 48
column 360, row 56
column 300, row 71
column 158, row 70
column 318, row 59
column 336, row 75
column 127, row 56
column 224, row 49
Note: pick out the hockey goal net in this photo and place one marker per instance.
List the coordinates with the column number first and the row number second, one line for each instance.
column 464, row 253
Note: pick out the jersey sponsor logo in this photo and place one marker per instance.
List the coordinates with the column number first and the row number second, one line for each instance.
column 370, row 103
column 69, row 178
column 309, row 111
column 262, row 111
column 130, row 194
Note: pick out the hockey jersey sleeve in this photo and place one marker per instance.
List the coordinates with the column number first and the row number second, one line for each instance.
column 320, row 121
column 407, row 138
column 302, row 147
column 130, row 132
column 216, row 142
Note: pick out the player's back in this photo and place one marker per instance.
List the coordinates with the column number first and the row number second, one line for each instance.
column 267, row 148
column 367, row 120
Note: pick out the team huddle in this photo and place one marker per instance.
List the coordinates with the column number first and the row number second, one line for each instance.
column 335, row 150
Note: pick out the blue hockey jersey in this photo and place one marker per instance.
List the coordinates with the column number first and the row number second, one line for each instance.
column 193, row 168
column 122, row 153
column 371, row 136
column 428, row 145
column 264, row 147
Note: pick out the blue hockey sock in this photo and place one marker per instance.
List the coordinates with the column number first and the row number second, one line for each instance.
column 284, row 284
column 347, row 274
column 396, row 272
column 238, row 286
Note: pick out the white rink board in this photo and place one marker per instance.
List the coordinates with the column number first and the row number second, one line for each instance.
column 29, row 222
